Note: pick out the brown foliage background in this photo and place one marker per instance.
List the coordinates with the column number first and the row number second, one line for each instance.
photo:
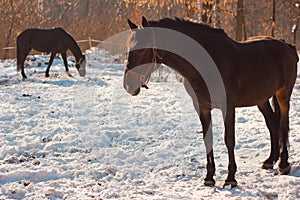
column 100, row 19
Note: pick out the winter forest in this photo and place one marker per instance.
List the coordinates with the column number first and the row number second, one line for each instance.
column 240, row 19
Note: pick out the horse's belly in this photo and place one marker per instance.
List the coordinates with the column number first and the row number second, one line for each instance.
column 47, row 46
column 256, row 96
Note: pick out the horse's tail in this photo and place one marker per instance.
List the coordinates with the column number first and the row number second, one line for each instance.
column 276, row 108
column 293, row 47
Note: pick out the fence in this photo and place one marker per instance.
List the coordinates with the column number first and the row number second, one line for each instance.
column 90, row 41
column 113, row 47
column 8, row 48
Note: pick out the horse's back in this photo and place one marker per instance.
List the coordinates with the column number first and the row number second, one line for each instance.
column 264, row 65
column 34, row 31
column 264, row 53
column 43, row 40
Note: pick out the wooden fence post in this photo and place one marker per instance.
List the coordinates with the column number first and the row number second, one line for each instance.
column 90, row 42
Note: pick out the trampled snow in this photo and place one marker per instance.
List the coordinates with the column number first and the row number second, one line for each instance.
column 86, row 138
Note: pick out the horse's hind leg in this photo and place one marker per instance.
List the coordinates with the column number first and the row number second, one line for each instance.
column 272, row 122
column 283, row 97
column 50, row 63
column 21, row 67
column 205, row 118
column 21, row 56
column 64, row 56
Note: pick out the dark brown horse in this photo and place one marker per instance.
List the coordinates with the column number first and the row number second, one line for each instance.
column 231, row 74
column 55, row 41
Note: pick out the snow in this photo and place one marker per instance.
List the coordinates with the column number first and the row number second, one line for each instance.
column 86, row 138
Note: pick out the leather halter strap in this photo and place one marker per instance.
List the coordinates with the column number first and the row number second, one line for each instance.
column 141, row 76
column 155, row 56
column 79, row 61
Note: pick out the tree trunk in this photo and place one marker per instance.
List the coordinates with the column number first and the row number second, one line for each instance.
column 190, row 9
column 217, row 9
column 10, row 30
column 296, row 24
column 240, row 33
column 273, row 18
column 206, row 13
column 87, row 8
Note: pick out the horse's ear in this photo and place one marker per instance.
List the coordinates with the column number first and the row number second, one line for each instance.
column 145, row 23
column 131, row 24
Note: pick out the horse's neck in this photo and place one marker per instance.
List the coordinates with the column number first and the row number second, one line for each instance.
column 181, row 66
column 74, row 48
column 195, row 84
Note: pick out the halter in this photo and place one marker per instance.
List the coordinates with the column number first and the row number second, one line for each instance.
column 155, row 55
column 79, row 61
column 142, row 77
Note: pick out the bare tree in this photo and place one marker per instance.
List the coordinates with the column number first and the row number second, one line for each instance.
column 240, row 22
column 217, row 9
column 11, row 26
column 206, row 12
column 190, row 8
column 273, row 18
column 102, row 18
column 296, row 24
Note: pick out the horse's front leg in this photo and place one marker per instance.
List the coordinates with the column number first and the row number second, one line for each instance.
column 50, row 63
column 230, row 143
column 205, row 118
column 64, row 56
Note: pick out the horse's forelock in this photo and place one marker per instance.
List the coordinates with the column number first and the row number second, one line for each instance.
column 131, row 41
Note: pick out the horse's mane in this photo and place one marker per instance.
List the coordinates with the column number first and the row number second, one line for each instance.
column 185, row 25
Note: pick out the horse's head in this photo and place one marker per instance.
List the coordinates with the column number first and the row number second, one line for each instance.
column 80, row 66
column 141, row 61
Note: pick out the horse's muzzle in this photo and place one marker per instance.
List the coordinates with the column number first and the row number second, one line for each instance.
column 136, row 92
column 81, row 72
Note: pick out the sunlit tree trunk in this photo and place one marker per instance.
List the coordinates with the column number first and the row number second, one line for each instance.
column 273, row 18
column 190, row 8
column 206, row 13
column 240, row 22
column 217, row 10
column 10, row 30
column 296, row 24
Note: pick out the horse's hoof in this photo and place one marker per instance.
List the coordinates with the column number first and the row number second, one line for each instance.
column 209, row 183
column 267, row 166
column 69, row 74
column 285, row 171
column 230, row 184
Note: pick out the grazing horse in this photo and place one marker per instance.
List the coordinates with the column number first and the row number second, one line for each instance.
column 246, row 74
column 55, row 40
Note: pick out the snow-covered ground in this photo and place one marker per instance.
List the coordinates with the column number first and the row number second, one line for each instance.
column 86, row 138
